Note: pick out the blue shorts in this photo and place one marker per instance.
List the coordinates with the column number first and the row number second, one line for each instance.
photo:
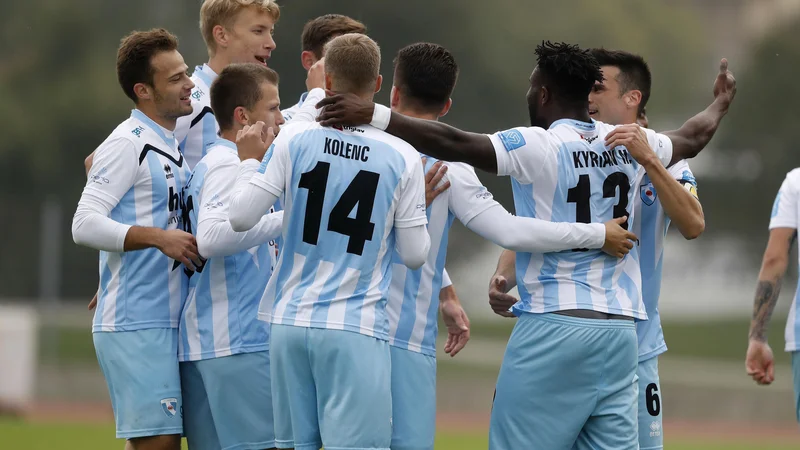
column 228, row 403
column 330, row 388
column 141, row 370
column 567, row 383
column 651, row 436
column 796, row 377
column 413, row 400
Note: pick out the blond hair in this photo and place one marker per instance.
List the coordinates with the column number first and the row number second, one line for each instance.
column 353, row 60
column 224, row 12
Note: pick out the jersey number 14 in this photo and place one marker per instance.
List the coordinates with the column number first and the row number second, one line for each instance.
column 359, row 194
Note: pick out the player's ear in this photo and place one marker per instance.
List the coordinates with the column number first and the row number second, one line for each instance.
column 633, row 98
column 220, row 36
column 142, row 91
column 394, row 97
column 446, row 108
column 328, row 81
column 240, row 116
column 308, row 59
column 378, row 83
column 544, row 95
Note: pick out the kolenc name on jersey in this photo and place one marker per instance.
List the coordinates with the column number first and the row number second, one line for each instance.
column 346, row 150
column 613, row 157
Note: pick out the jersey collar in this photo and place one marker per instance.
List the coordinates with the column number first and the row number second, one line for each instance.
column 166, row 135
column 580, row 125
column 205, row 74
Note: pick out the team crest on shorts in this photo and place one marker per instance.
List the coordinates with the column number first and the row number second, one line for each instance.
column 170, row 406
column 648, row 193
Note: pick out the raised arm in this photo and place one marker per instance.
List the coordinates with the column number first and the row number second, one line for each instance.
column 257, row 187
column 696, row 133
column 439, row 140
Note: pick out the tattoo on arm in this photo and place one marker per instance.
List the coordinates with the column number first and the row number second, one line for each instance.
column 766, row 297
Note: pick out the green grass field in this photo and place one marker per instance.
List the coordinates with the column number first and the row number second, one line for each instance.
column 15, row 435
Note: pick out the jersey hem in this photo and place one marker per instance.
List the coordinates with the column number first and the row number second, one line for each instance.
column 791, row 347
column 230, row 351
column 405, row 345
column 106, row 328
column 550, row 309
column 323, row 325
column 661, row 349
column 781, row 224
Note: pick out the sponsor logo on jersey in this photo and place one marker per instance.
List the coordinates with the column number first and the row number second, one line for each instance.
column 168, row 171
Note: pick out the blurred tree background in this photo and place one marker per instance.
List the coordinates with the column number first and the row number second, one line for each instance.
column 59, row 96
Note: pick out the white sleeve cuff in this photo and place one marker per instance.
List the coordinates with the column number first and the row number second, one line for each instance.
column 381, row 115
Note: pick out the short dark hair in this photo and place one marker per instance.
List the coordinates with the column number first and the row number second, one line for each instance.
column 426, row 74
column 317, row 32
column 135, row 55
column 569, row 70
column 238, row 85
column 634, row 73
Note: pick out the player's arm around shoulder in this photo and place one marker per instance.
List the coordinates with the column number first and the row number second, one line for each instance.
column 523, row 152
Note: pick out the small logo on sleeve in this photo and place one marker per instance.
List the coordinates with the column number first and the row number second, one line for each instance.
column 138, row 131
column 512, row 139
column 170, row 406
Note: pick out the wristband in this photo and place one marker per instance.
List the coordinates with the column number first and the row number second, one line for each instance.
column 380, row 117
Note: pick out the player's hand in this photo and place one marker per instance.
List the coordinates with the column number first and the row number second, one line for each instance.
column 180, row 246
column 432, row 179
column 619, row 241
column 633, row 138
column 93, row 302
column 316, row 75
column 252, row 141
column 344, row 109
column 499, row 299
column 724, row 84
column 760, row 363
column 457, row 323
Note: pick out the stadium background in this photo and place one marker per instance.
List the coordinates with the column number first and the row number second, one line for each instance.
column 59, row 98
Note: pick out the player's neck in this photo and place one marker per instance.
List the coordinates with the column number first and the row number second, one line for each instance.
column 579, row 114
column 150, row 111
column 218, row 62
column 229, row 134
column 415, row 114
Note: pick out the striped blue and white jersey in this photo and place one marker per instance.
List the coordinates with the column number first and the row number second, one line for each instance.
column 198, row 131
column 651, row 227
column 414, row 294
column 220, row 317
column 288, row 113
column 140, row 170
column 344, row 192
column 566, row 174
column 786, row 214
